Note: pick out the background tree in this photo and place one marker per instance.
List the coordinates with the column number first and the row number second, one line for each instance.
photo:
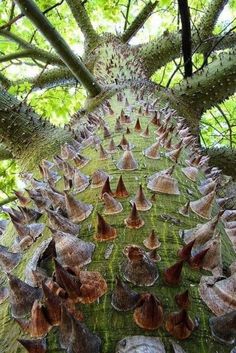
column 109, row 66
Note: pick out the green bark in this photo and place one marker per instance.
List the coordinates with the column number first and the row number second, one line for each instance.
column 25, row 134
column 163, row 217
column 206, row 88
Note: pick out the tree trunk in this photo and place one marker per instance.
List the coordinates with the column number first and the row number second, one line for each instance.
column 135, row 97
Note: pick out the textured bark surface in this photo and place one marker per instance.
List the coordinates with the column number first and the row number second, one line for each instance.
column 136, row 98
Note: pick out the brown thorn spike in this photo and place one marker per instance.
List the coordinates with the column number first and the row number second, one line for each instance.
column 53, row 306
column 77, row 210
column 179, row 324
column 124, row 298
column 21, row 296
column 93, row 286
column 146, row 132
column 172, row 274
column 223, row 328
column 34, row 346
column 184, row 211
column 98, row 178
column 39, row 326
column 124, row 143
column 183, row 300
column 103, row 155
column 112, row 206
column 164, row 184
column 106, row 188
column 8, row 260
column 185, row 252
column 152, row 151
column 121, row 191
column 203, row 206
column 152, row 242
column 67, row 281
column 137, row 258
column 196, row 260
column 22, row 199
column 141, row 202
column 149, row 312
column 134, row 221
column 156, row 119
column 104, row 230
column 137, row 126
column 127, row 162
column 111, row 147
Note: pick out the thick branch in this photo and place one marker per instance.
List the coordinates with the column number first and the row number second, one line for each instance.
column 209, row 18
column 32, row 54
column 186, row 37
column 5, row 153
column 25, row 134
column 79, row 70
column 51, row 78
column 84, row 23
column 167, row 47
column 223, row 158
column 14, row 38
column 206, row 88
column 138, row 21
column 41, row 54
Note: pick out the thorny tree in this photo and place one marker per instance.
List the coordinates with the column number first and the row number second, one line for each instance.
column 116, row 76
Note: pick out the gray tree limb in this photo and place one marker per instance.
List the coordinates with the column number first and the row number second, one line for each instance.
column 206, row 88
column 159, row 52
column 76, row 66
column 36, row 54
column 25, row 134
column 80, row 14
column 138, row 21
column 51, row 78
column 208, row 20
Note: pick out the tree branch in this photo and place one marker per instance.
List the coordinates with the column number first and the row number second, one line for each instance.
column 84, row 23
column 224, row 158
column 40, row 55
column 4, row 153
column 51, row 78
column 14, row 38
column 138, row 21
column 127, row 14
column 186, row 37
column 37, row 53
column 206, row 88
column 209, row 18
column 29, row 8
column 25, row 134
column 167, row 47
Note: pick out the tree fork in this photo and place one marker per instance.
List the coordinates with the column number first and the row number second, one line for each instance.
column 79, row 70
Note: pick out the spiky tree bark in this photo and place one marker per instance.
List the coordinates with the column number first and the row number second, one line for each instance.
column 117, row 80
